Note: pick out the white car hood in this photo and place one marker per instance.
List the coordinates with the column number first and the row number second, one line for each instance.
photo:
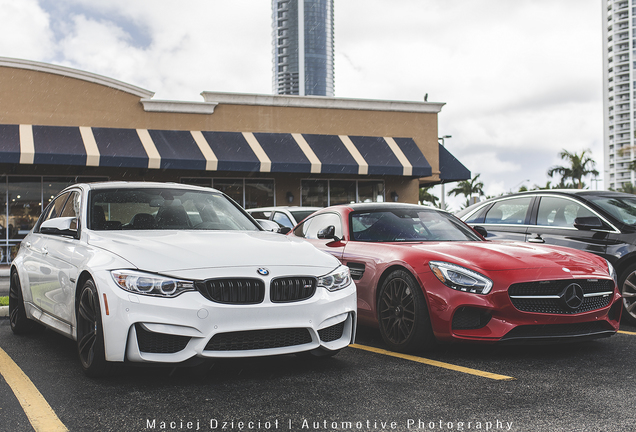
column 176, row 251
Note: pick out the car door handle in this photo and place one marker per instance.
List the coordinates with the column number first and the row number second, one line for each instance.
column 536, row 239
column 28, row 245
column 45, row 251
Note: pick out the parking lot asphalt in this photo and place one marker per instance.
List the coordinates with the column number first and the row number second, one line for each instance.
column 567, row 387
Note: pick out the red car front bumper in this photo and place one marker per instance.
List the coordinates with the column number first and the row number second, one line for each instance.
column 523, row 307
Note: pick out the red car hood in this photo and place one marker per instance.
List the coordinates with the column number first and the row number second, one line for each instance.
column 493, row 256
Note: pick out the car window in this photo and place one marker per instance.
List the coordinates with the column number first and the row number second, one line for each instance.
column 309, row 229
column 622, row 208
column 510, row 211
column 55, row 209
column 477, row 216
column 72, row 207
column 408, row 225
column 282, row 219
column 175, row 209
column 299, row 215
column 560, row 212
column 260, row 214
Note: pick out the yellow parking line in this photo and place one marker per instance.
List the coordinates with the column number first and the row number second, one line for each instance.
column 39, row 412
column 435, row 363
column 626, row 332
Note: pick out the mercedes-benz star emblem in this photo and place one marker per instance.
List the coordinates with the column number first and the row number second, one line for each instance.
column 573, row 296
column 263, row 271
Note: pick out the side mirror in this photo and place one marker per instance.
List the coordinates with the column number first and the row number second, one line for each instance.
column 588, row 223
column 64, row 226
column 481, row 231
column 328, row 233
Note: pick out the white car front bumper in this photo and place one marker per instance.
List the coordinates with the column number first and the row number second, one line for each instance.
column 142, row 328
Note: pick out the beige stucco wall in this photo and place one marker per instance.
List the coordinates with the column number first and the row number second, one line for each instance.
column 43, row 98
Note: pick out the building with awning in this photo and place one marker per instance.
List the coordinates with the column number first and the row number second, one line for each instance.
column 60, row 125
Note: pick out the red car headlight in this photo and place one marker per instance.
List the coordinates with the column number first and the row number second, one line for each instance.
column 460, row 278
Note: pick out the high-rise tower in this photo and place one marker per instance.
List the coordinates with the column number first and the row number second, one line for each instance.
column 303, row 47
column 619, row 93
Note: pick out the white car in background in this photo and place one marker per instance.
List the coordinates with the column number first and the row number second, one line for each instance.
column 166, row 273
column 284, row 216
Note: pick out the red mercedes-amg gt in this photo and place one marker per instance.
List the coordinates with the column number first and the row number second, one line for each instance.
column 423, row 276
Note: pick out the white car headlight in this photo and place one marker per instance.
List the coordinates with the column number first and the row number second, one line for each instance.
column 336, row 280
column 150, row 284
column 612, row 272
column 460, row 278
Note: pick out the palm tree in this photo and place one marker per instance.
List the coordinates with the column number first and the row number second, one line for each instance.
column 426, row 195
column 627, row 188
column 468, row 188
column 580, row 165
column 548, row 185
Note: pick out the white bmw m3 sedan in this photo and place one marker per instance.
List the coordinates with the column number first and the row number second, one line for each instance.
column 169, row 273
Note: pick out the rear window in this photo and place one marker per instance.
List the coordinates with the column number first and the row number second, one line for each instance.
column 622, row 208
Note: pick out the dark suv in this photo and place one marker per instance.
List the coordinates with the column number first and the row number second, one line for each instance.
column 600, row 222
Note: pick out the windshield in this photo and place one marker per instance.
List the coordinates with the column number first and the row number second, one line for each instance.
column 299, row 215
column 160, row 209
column 400, row 225
column 622, row 208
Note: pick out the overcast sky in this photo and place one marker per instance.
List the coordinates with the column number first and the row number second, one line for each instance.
column 521, row 79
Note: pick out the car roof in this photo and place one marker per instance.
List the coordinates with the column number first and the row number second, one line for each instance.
column 137, row 185
column 583, row 193
column 282, row 208
column 386, row 206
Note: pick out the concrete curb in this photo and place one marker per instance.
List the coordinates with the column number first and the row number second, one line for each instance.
column 4, row 273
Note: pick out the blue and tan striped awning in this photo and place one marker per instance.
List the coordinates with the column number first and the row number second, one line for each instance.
column 212, row 151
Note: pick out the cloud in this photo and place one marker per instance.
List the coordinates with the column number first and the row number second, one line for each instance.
column 521, row 79
column 25, row 30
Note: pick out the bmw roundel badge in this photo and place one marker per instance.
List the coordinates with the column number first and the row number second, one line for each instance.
column 263, row 271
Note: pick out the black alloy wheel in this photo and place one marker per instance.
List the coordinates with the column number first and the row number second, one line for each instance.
column 402, row 313
column 18, row 320
column 90, row 334
column 627, row 286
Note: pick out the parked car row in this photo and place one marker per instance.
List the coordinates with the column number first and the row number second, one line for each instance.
column 600, row 222
column 174, row 274
column 284, row 217
column 148, row 272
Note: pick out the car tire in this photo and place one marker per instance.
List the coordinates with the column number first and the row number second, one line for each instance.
column 18, row 320
column 627, row 286
column 405, row 325
column 90, row 333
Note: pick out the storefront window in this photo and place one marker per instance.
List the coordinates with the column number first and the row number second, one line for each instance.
column 323, row 193
column 25, row 205
column 231, row 187
column 51, row 186
column 314, row 193
column 197, row 181
column 26, row 198
column 259, row 193
column 342, row 192
column 370, row 191
column 4, row 245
